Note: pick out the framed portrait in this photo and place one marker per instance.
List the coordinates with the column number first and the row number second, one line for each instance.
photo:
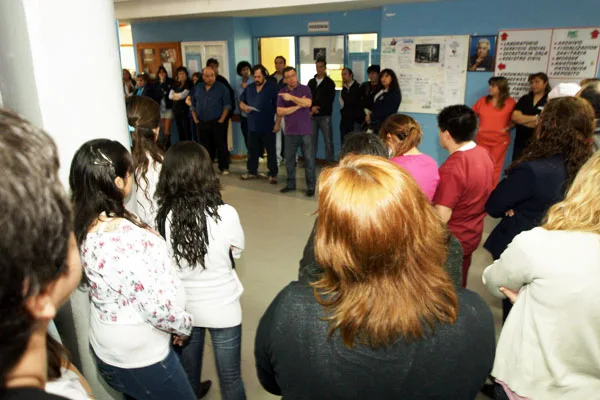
column 319, row 53
column 482, row 53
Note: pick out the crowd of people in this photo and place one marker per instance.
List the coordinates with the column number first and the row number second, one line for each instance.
column 380, row 308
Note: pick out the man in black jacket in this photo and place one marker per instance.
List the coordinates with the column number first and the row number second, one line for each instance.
column 323, row 95
column 350, row 105
column 369, row 89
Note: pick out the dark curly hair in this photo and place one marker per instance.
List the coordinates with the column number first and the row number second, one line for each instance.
column 143, row 114
column 565, row 127
column 36, row 225
column 241, row 65
column 188, row 191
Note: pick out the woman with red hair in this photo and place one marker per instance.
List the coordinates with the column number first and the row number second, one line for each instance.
column 383, row 321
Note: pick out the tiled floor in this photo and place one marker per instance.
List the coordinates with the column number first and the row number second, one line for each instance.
column 276, row 227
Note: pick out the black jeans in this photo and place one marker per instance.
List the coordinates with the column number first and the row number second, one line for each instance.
column 257, row 142
column 213, row 136
column 184, row 129
column 347, row 126
column 244, row 126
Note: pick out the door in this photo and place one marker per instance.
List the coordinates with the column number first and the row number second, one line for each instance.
column 153, row 55
column 195, row 55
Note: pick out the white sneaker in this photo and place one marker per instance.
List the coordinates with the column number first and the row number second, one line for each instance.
column 225, row 172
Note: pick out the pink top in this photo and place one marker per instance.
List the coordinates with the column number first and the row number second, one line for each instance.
column 423, row 168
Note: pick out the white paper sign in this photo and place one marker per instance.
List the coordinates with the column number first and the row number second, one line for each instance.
column 521, row 53
column 574, row 53
column 565, row 55
column 318, row 26
column 431, row 70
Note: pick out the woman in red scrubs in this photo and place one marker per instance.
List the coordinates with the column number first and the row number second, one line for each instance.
column 495, row 114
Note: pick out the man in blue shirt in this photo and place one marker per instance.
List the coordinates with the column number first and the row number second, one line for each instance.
column 259, row 102
column 211, row 104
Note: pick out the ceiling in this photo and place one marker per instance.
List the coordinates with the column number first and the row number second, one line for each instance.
column 140, row 10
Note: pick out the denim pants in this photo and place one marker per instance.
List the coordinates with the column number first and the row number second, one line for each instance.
column 324, row 124
column 305, row 142
column 165, row 380
column 227, row 346
column 257, row 142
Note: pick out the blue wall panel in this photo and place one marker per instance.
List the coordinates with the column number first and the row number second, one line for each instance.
column 464, row 17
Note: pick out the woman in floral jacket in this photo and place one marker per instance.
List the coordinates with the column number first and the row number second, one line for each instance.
column 136, row 299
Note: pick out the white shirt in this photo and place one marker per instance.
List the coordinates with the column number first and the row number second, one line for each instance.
column 549, row 347
column 136, row 300
column 213, row 293
column 467, row 146
column 146, row 204
column 68, row 386
column 319, row 80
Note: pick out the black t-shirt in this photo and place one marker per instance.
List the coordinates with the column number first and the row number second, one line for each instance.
column 526, row 106
column 28, row 394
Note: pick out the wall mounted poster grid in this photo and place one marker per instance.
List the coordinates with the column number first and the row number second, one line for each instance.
column 431, row 70
column 565, row 55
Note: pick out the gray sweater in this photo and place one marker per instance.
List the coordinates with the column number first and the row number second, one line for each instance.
column 296, row 359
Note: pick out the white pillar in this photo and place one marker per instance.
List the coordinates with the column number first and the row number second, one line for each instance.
column 60, row 69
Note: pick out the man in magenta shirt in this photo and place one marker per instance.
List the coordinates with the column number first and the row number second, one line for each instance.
column 465, row 180
column 294, row 105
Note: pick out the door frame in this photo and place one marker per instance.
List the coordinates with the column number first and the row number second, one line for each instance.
column 223, row 68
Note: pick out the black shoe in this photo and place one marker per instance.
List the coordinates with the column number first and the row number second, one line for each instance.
column 204, row 388
column 310, row 193
column 287, row 189
column 488, row 390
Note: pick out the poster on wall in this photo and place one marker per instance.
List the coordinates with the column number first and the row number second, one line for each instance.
column 482, row 53
column 431, row 70
column 565, row 55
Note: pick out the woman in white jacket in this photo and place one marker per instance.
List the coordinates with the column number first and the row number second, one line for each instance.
column 549, row 346
column 204, row 235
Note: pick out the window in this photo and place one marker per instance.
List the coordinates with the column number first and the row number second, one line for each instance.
column 329, row 47
column 361, row 54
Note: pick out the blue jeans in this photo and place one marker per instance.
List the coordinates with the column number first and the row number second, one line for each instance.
column 227, row 345
column 164, row 380
column 324, row 124
column 292, row 143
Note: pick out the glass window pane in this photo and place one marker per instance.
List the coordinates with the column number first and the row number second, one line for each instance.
column 360, row 53
column 329, row 47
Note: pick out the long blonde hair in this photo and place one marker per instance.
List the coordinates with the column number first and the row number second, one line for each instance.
column 580, row 210
column 382, row 248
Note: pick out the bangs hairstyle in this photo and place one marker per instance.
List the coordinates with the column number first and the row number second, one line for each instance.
column 405, row 133
column 189, row 189
column 565, row 127
column 143, row 114
column 580, row 210
column 502, row 84
column 383, row 249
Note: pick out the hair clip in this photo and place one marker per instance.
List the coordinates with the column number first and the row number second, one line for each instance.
column 107, row 161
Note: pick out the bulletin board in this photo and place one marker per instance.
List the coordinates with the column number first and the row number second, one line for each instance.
column 565, row 55
column 431, row 70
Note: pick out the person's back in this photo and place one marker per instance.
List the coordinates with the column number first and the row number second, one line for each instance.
column 539, row 184
column 309, row 365
column 383, row 320
column 472, row 170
